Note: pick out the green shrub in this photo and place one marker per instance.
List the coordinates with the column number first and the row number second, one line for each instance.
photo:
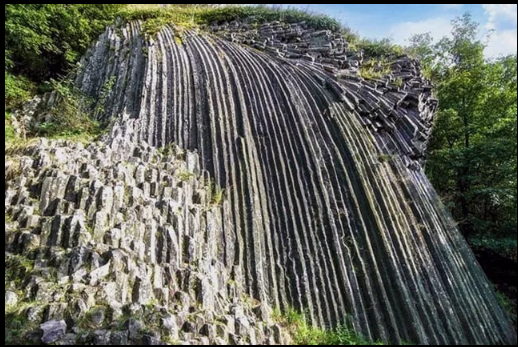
column 398, row 82
column 304, row 334
column 379, row 48
column 185, row 176
column 106, row 89
column 374, row 69
column 45, row 40
column 69, row 117
column 199, row 14
column 217, row 194
column 345, row 336
column 508, row 305
column 263, row 14
column 152, row 26
column 17, row 90
column 9, row 130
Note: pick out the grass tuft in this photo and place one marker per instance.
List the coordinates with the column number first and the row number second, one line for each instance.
column 185, row 175
column 303, row 333
column 192, row 15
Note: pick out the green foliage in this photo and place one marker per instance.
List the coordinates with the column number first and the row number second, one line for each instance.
column 379, row 48
column 217, row 194
column 44, row 40
column 200, row 14
column 293, row 317
column 103, row 96
column 9, row 130
column 507, row 304
column 167, row 150
column 266, row 14
column 17, row 90
column 185, row 176
column 303, row 333
column 398, row 82
column 152, row 26
column 67, row 116
column 8, row 219
column 178, row 36
column 352, row 39
column 17, row 327
column 17, row 269
column 421, row 47
column 473, row 150
column 276, row 315
column 344, row 336
column 87, row 320
column 374, row 69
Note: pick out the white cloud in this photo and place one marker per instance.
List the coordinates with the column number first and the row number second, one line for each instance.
column 501, row 43
column 500, row 15
column 452, row 6
column 437, row 27
column 502, row 19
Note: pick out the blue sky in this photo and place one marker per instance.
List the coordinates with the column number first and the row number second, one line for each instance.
column 401, row 21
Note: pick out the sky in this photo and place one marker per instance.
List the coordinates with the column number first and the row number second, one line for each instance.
column 399, row 22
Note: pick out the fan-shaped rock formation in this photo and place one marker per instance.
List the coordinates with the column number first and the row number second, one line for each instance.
column 328, row 208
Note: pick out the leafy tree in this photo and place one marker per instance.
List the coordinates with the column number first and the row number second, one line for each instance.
column 42, row 40
column 472, row 153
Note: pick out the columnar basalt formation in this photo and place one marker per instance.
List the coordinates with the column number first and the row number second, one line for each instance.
column 329, row 210
column 118, row 243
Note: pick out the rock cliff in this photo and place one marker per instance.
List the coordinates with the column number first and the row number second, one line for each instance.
column 326, row 207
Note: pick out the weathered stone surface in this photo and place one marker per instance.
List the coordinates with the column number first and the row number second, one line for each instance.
column 170, row 326
column 119, row 338
column 97, row 316
column 35, row 314
column 11, row 299
column 277, row 334
column 102, row 337
column 134, row 328
column 99, row 273
column 188, row 327
column 150, row 340
column 53, row 331
column 218, row 341
column 242, row 326
column 208, row 330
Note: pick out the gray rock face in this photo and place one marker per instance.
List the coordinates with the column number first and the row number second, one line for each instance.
column 53, row 331
column 170, row 326
column 189, row 327
column 325, row 207
column 11, row 299
column 97, row 317
column 134, row 328
column 99, row 255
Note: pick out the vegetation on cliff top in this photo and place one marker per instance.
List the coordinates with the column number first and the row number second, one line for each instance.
column 201, row 14
column 44, row 41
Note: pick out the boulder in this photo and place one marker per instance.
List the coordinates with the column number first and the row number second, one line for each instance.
column 53, row 331
column 11, row 299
